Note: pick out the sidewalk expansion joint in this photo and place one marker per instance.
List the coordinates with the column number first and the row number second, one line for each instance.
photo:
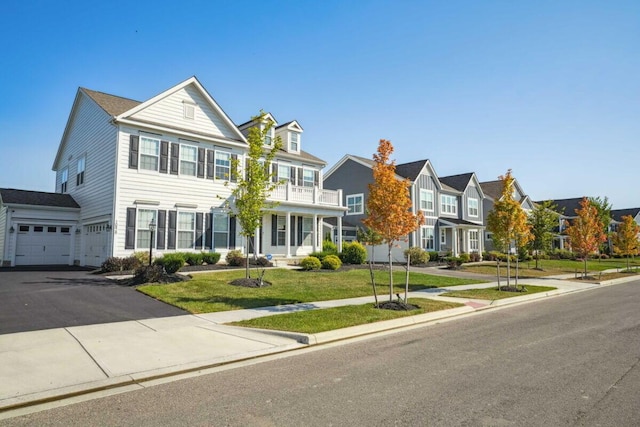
column 88, row 353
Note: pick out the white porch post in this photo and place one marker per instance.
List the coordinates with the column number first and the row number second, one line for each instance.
column 480, row 242
column 256, row 242
column 287, row 236
column 315, row 232
column 454, row 243
column 339, row 242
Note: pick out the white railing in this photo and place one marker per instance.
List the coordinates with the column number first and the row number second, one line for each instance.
column 311, row 195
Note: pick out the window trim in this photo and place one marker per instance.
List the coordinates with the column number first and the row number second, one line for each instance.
column 443, row 236
column 281, row 233
column 425, row 239
column 216, row 166
column 138, row 228
column 81, row 166
column 184, row 148
column 425, row 191
column 220, row 217
column 307, row 232
column 476, row 241
column 179, row 230
column 477, row 207
column 141, row 154
column 297, row 142
column 64, row 180
column 453, row 203
column 305, row 181
column 361, row 204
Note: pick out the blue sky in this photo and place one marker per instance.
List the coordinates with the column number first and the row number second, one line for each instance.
column 550, row 89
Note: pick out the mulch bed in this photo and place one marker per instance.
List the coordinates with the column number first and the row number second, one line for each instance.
column 396, row 305
column 250, row 283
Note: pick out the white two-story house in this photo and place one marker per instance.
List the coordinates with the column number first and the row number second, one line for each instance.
column 162, row 167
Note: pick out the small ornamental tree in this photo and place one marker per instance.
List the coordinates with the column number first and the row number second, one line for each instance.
column 625, row 240
column 603, row 207
column 370, row 238
column 389, row 205
column 254, row 186
column 542, row 220
column 507, row 221
column 585, row 232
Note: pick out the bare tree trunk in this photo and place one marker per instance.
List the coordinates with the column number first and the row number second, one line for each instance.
column 585, row 268
column 406, row 282
column 373, row 279
column 517, row 266
column 509, row 268
column 498, row 269
column 390, row 276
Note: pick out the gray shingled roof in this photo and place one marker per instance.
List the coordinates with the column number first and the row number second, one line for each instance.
column 459, row 182
column 567, row 207
column 411, row 170
column 113, row 105
column 492, row 188
column 37, row 198
column 617, row 214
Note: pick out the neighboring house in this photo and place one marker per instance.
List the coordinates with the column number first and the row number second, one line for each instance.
column 617, row 214
column 566, row 209
column 493, row 192
column 162, row 167
column 450, row 205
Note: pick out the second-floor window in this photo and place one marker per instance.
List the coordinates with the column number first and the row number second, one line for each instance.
column 355, row 204
column 308, row 178
column 80, row 171
column 268, row 137
column 149, row 153
column 188, row 160
column 294, row 145
column 448, row 204
column 426, row 200
column 473, row 207
column 284, row 173
column 64, row 178
column 186, row 229
column 223, row 165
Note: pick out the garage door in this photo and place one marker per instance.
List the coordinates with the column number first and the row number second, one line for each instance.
column 96, row 241
column 43, row 245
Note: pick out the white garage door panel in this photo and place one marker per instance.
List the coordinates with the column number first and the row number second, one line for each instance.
column 96, row 241
column 43, row 245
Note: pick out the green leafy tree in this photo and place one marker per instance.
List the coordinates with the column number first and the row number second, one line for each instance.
column 603, row 207
column 254, row 186
column 625, row 239
column 585, row 232
column 389, row 204
column 542, row 220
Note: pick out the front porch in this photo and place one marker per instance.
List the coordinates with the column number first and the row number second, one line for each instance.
column 459, row 236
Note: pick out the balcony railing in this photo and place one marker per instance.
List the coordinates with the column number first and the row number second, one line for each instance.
column 311, row 195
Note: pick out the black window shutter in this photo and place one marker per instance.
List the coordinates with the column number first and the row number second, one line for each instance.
column 292, row 175
column 164, row 156
column 199, row 241
column 171, row 235
column 210, row 163
column 201, row 154
column 234, row 168
column 175, row 158
column 292, row 232
column 232, row 232
column 316, row 178
column 130, row 232
column 300, row 177
column 274, row 171
column 133, row 151
column 161, row 233
column 300, row 230
column 274, row 230
column 208, row 238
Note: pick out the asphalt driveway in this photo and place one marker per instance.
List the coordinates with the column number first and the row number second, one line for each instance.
column 35, row 300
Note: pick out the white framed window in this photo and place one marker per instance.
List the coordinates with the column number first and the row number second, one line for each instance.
column 294, row 143
column 223, row 165
column 448, row 204
column 472, row 207
column 143, row 234
column 80, row 171
column 149, row 153
column 308, row 177
column 186, row 230
column 443, row 236
column 474, row 241
column 64, row 179
column 307, row 231
column 284, row 173
column 189, row 110
column 355, row 204
column 188, row 160
column 426, row 200
column 220, row 231
column 427, row 238
column 268, row 137
column 281, row 230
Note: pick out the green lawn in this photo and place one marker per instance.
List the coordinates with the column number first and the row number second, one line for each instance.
column 494, row 293
column 551, row 267
column 314, row 321
column 210, row 292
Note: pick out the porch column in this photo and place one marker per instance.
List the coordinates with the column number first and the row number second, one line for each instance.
column 480, row 242
column 256, row 242
column 339, row 242
column 454, row 242
column 287, row 239
column 315, row 232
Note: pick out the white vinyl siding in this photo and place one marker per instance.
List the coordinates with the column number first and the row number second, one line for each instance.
column 448, row 204
column 473, row 207
column 188, row 160
column 426, row 200
column 149, row 153
column 143, row 233
column 355, row 204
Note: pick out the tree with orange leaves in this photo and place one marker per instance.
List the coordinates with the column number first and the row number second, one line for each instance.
column 389, row 204
column 625, row 240
column 585, row 232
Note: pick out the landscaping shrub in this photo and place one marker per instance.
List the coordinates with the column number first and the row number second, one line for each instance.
column 149, row 274
column 329, row 247
column 210, row 258
column 562, row 254
column 133, row 262
column 235, row 258
column 142, row 257
column 434, row 256
column 171, row 262
column 331, row 262
column 417, row 256
column 465, row 257
column 262, row 262
column 310, row 263
column 193, row 258
column 320, row 255
column 353, row 253
column 475, row 256
column 453, row 262
column 111, row 264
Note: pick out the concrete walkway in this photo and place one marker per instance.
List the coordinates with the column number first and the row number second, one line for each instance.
column 48, row 365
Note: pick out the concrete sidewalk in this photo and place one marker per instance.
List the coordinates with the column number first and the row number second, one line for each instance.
column 48, row 365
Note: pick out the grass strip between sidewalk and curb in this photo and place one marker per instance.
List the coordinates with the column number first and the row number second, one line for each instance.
column 328, row 319
column 495, row 294
column 208, row 293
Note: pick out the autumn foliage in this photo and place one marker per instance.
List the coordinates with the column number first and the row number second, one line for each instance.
column 625, row 240
column 585, row 232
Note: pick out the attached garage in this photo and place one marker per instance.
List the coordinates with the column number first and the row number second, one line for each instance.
column 96, row 244
column 43, row 245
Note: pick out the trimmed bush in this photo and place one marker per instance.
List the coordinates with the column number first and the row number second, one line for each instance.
column 475, row 256
column 434, row 256
column 453, row 262
column 210, row 257
column 353, row 253
column 465, row 257
column 193, row 258
column 235, row 258
column 417, row 256
column 171, row 262
column 142, row 257
column 562, row 254
column 133, row 262
column 112, row 264
column 331, row 262
column 329, row 247
column 310, row 263
column 320, row 255
column 149, row 274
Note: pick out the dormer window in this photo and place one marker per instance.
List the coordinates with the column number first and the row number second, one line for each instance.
column 294, row 142
column 268, row 138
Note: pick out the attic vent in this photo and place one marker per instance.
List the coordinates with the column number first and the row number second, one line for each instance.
column 189, row 110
